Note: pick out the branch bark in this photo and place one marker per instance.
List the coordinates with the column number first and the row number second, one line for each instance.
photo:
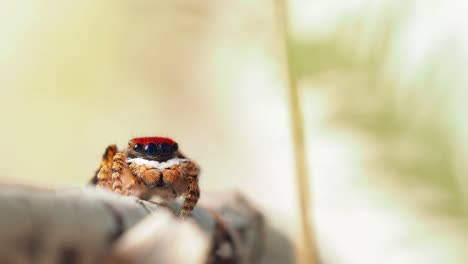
column 91, row 226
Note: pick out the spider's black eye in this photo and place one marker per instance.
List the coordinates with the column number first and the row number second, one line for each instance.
column 165, row 148
column 151, row 149
column 138, row 147
column 175, row 147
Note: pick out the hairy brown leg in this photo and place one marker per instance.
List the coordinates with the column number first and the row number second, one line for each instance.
column 192, row 193
column 102, row 176
column 118, row 165
column 191, row 197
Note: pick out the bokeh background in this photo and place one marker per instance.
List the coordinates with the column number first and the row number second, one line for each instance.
column 382, row 98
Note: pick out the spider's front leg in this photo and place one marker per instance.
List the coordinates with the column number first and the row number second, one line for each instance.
column 113, row 173
column 190, row 172
column 103, row 175
column 118, row 169
column 191, row 197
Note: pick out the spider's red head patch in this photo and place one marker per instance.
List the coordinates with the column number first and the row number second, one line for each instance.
column 155, row 140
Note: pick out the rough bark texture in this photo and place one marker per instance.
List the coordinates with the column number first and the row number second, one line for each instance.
column 90, row 226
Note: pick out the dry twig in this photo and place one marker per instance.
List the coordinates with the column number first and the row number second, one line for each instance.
column 90, row 226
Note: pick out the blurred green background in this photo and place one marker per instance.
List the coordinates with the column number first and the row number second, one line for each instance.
column 382, row 94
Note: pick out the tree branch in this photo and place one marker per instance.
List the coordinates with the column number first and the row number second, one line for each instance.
column 90, row 226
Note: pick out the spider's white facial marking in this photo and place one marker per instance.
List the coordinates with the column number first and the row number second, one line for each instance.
column 157, row 164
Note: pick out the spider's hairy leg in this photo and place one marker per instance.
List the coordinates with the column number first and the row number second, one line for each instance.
column 118, row 167
column 192, row 193
column 102, row 177
column 191, row 197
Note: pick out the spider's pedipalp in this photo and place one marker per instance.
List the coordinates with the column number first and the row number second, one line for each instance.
column 171, row 175
column 149, row 176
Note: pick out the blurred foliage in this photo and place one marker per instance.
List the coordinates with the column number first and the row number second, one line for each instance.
column 413, row 142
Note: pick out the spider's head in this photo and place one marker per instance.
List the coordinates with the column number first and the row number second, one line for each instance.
column 152, row 148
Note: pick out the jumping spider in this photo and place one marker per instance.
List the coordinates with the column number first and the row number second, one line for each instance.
column 150, row 166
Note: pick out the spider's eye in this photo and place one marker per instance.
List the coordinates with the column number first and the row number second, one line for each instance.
column 138, row 147
column 175, row 147
column 151, row 149
column 165, row 148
